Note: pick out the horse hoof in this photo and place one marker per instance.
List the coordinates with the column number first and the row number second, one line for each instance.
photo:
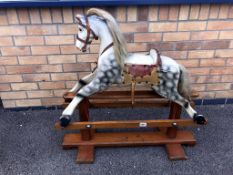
column 199, row 119
column 64, row 121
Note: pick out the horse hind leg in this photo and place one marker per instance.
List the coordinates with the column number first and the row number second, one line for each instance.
column 198, row 118
column 168, row 89
column 177, row 98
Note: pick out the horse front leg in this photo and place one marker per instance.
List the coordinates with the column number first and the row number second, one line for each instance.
column 91, row 88
column 82, row 82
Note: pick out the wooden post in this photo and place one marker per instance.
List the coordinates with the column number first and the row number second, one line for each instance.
column 175, row 151
column 175, row 112
column 84, row 116
column 86, row 152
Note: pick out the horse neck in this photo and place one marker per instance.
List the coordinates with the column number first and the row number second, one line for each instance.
column 104, row 36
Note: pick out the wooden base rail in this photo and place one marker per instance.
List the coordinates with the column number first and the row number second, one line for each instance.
column 168, row 135
column 128, row 124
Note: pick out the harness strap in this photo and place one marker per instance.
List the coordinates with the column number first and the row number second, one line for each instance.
column 106, row 48
column 83, row 41
column 93, row 33
column 89, row 32
column 85, row 26
column 159, row 61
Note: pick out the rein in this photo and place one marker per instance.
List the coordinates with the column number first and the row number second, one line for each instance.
column 89, row 32
column 106, row 48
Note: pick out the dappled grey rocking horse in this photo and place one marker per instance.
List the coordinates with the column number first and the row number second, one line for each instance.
column 115, row 66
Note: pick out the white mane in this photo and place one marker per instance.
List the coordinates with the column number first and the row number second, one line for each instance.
column 119, row 47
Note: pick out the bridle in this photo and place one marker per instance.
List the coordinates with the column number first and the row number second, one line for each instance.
column 89, row 32
column 88, row 38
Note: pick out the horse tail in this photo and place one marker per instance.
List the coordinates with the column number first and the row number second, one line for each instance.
column 120, row 48
column 184, row 87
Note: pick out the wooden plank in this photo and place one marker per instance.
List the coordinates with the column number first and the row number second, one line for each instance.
column 128, row 100
column 118, row 94
column 85, row 154
column 175, row 152
column 122, row 99
column 124, row 104
column 128, row 124
column 128, row 139
column 127, row 104
column 123, row 94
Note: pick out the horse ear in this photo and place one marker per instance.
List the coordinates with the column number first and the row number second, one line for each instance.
column 78, row 18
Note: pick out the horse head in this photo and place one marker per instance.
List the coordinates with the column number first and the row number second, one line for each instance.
column 85, row 33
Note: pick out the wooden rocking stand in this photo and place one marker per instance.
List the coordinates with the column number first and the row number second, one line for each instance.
column 168, row 135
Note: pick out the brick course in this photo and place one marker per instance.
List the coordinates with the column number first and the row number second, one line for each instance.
column 39, row 61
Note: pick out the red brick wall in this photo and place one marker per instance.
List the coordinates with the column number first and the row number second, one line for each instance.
column 39, row 61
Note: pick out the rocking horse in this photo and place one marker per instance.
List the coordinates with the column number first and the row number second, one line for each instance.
column 116, row 66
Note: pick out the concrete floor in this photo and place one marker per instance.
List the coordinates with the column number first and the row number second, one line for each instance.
column 29, row 144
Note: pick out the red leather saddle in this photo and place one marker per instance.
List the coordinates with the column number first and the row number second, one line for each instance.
column 140, row 70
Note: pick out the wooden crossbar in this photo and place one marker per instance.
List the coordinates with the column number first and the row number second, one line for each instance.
column 149, row 94
column 128, row 124
column 118, row 94
column 122, row 99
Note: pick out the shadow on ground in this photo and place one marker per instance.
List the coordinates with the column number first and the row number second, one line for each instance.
column 29, row 144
